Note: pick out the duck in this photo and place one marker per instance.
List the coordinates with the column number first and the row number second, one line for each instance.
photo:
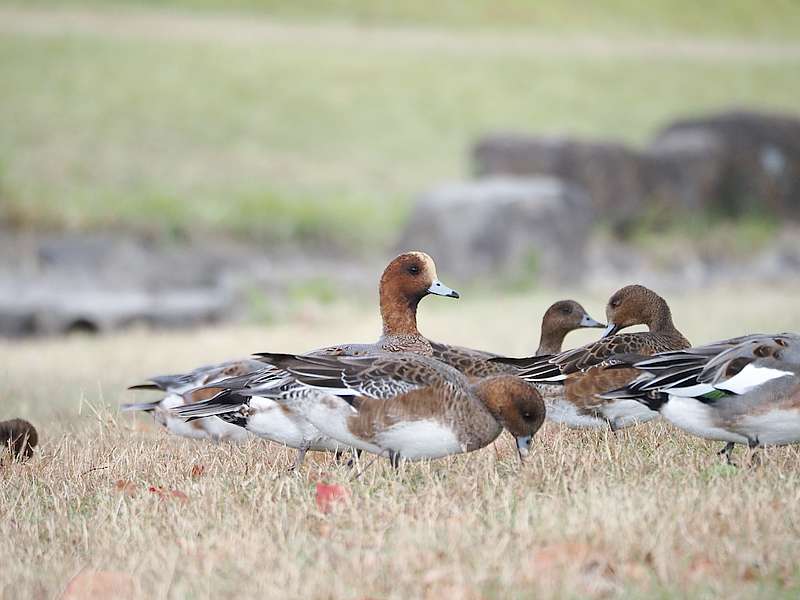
column 405, row 281
column 575, row 379
column 408, row 406
column 19, row 437
column 188, row 388
column 743, row 390
column 559, row 319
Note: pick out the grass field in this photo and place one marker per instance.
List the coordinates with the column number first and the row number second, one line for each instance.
column 649, row 513
column 737, row 18
column 313, row 127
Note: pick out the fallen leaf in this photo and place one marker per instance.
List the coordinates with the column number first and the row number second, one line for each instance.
column 99, row 585
column 123, row 486
column 164, row 494
column 328, row 495
column 157, row 490
column 198, row 471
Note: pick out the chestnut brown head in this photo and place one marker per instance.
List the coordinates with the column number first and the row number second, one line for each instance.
column 636, row 305
column 516, row 405
column 412, row 276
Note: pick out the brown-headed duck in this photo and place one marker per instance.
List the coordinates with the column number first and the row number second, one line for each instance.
column 404, row 283
column 576, row 378
column 558, row 320
column 406, row 406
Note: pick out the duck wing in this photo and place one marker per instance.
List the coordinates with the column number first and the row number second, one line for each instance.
column 470, row 362
column 379, row 377
column 712, row 371
column 557, row 367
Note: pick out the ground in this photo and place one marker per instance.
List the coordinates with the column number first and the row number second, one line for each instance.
column 649, row 512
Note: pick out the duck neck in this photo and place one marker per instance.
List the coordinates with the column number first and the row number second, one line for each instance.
column 485, row 391
column 399, row 314
column 551, row 340
column 661, row 321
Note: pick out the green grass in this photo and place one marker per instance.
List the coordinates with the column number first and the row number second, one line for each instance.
column 298, row 137
column 711, row 236
column 738, row 18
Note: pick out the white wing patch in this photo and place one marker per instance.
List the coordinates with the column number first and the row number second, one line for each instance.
column 691, row 391
column 751, row 377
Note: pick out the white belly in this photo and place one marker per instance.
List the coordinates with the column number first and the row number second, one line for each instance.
column 272, row 422
column 776, row 427
column 220, row 430
column 420, row 439
column 696, row 418
column 566, row 413
column 624, row 413
column 329, row 414
column 268, row 420
column 206, row 428
column 179, row 426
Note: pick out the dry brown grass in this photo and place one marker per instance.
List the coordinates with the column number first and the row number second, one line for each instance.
column 649, row 512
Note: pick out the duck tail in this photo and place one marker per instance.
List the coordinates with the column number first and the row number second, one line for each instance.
column 165, row 382
column 142, row 406
column 224, row 403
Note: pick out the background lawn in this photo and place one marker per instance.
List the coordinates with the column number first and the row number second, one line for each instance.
column 296, row 128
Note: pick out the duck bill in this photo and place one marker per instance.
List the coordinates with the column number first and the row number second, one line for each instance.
column 524, row 446
column 587, row 321
column 611, row 329
column 439, row 289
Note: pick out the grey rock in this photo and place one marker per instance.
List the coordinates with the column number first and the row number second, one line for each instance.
column 503, row 227
column 756, row 159
column 610, row 172
column 732, row 164
column 683, row 170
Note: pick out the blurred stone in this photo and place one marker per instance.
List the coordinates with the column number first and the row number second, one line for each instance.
column 684, row 170
column 93, row 283
column 45, row 310
column 730, row 164
column 503, row 227
column 757, row 158
column 610, row 172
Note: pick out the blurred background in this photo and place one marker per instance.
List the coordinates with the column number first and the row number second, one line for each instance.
column 176, row 163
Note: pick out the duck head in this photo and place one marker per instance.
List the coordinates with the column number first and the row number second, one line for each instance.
column 637, row 305
column 405, row 281
column 516, row 405
column 561, row 318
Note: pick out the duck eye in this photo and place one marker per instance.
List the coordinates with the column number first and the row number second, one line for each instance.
column 566, row 310
column 413, row 269
column 526, row 415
